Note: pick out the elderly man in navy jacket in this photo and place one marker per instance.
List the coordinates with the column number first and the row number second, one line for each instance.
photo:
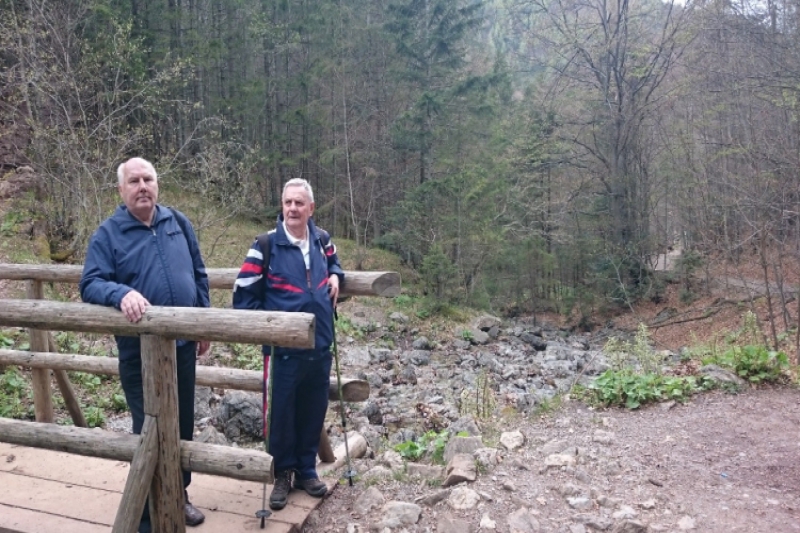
column 296, row 269
column 148, row 254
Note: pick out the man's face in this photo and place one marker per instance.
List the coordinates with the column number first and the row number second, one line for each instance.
column 139, row 190
column 297, row 209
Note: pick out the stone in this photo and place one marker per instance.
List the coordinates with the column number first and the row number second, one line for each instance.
column 357, row 356
column 630, row 526
column 398, row 317
column 648, row 505
column 559, row 459
column 377, row 472
column 625, row 512
column 486, row 458
column 478, row 337
column 463, row 498
column 487, row 322
column 206, row 403
column 458, row 445
column 421, row 343
column 398, row 514
column 600, row 523
column 424, row 471
column 686, row 523
column 577, row 528
column 432, row 499
column 487, row 523
column 512, row 440
column 448, row 524
column 416, row 357
column 722, row 375
column 241, row 415
column 370, row 499
column 460, row 468
column 522, row 521
column 553, row 446
column 580, row 503
column 211, row 436
column 392, row 460
column 603, row 437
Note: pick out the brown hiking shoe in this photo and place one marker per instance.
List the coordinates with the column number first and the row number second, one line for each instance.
column 280, row 490
column 313, row 486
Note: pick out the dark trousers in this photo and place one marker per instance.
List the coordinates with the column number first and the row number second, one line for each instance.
column 130, row 374
column 299, row 402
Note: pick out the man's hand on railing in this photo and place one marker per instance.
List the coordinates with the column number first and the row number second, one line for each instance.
column 203, row 347
column 133, row 306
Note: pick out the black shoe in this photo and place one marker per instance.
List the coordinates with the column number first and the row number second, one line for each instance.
column 280, row 490
column 313, row 486
column 193, row 515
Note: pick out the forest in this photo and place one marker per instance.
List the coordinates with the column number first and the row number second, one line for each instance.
column 517, row 154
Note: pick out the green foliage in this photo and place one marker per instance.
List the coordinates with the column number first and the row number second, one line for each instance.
column 246, row 356
column 635, row 376
column 6, row 342
column 345, row 327
column 95, row 417
column 755, row 363
column 431, row 443
column 630, row 389
column 439, row 275
column 15, row 395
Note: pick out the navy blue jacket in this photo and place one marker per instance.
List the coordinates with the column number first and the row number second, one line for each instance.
column 162, row 262
column 286, row 288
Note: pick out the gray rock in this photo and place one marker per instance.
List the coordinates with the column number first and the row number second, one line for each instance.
column 448, row 524
column 487, row 458
column 432, row 499
column 479, row 338
column 625, row 512
column 580, row 502
column 603, row 437
column 600, row 523
column 398, row 514
column 370, row 499
column 416, row 357
column 553, row 446
column 379, row 355
column 686, row 523
column 460, row 344
column 722, row 375
column 206, row 403
column 463, row 498
column 421, row 343
column 630, row 526
column 538, row 343
column 356, row 356
column 522, row 521
column 377, row 472
column 372, row 411
column 512, row 440
column 459, row 469
column 458, row 445
column 211, row 436
column 424, row 471
column 407, row 375
column 398, row 317
column 241, row 415
column 486, row 322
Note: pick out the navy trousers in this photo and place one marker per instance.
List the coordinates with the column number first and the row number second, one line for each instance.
column 130, row 374
column 299, row 401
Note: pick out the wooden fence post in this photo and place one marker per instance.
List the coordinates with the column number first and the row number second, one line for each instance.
column 40, row 377
column 140, row 477
column 160, row 383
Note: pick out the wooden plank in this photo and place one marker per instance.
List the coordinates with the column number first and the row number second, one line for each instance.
column 19, row 520
column 57, row 498
column 129, row 512
column 40, row 377
column 357, row 283
column 354, row 390
column 239, row 463
column 160, row 383
column 294, row 330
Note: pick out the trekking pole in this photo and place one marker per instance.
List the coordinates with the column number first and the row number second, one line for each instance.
column 265, row 513
column 349, row 473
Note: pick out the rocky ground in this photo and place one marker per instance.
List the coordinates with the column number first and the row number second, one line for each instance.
column 530, row 460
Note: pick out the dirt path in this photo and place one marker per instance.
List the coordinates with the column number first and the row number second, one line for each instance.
column 722, row 463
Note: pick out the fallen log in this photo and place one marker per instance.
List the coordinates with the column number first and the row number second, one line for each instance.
column 237, row 463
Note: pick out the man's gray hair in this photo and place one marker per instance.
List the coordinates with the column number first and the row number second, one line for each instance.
column 145, row 162
column 300, row 182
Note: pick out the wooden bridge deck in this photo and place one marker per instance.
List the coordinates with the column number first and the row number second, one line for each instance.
column 43, row 491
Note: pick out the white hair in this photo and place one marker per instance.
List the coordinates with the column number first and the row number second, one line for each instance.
column 145, row 162
column 300, row 182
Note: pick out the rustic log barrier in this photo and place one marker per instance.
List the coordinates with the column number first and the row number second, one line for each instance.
column 353, row 390
column 157, row 329
column 157, row 455
column 358, row 283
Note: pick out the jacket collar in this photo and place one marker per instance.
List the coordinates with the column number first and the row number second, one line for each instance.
column 126, row 221
column 282, row 238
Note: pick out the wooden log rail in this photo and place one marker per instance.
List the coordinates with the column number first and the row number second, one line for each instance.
column 357, row 283
column 159, row 456
column 353, row 390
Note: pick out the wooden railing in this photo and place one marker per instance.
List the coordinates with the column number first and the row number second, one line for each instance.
column 157, row 455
